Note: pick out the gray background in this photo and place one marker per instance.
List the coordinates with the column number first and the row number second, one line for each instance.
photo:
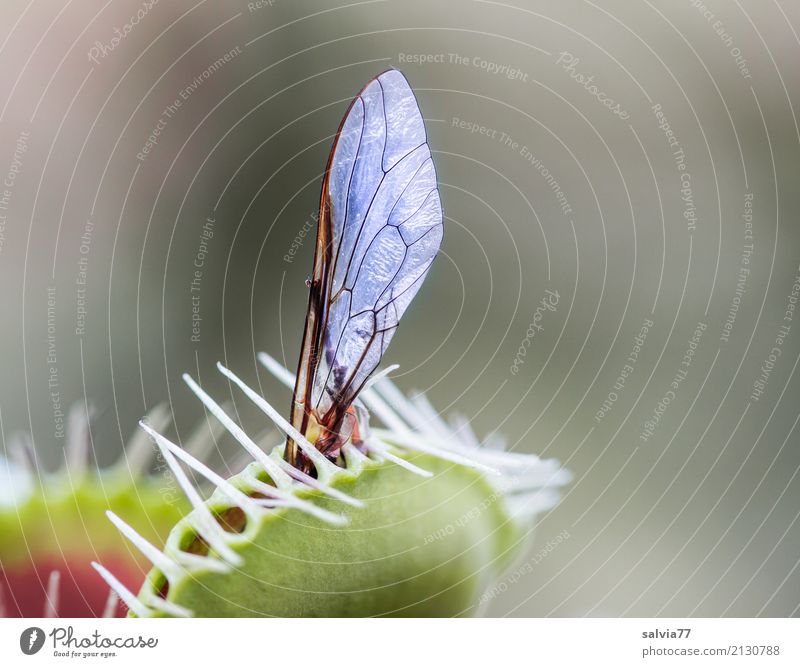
column 698, row 520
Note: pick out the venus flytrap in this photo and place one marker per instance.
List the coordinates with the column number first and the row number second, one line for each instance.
column 426, row 541
column 416, row 518
column 52, row 523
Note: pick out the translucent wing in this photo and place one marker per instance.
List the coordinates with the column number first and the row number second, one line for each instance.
column 380, row 228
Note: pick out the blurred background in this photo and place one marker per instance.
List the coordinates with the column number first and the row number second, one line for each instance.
column 635, row 164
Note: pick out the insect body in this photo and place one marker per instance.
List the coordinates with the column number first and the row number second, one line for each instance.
column 379, row 229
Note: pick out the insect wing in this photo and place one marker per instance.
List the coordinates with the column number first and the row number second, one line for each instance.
column 385, row 230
